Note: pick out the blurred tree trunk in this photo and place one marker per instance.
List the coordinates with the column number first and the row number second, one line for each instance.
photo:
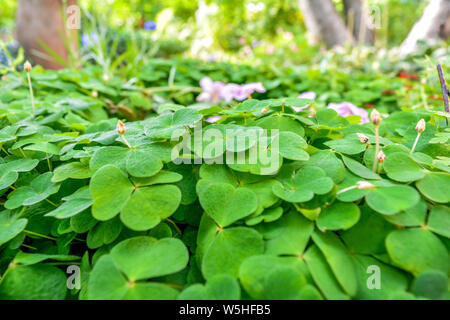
column 324, row 23
column 357, row 17
column 43, row 20
column 434, row 24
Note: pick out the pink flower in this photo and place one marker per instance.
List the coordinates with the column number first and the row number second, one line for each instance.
column 346, row 109
column 211, row 90
column 310, row 95
column 213, row 119
column 270, row 49
column 249, row 88
column 231, row 91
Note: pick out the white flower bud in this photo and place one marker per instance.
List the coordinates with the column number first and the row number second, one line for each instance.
column 363, row 138
column 375, row 117
column 27, row 66
column 120, row 128
column 421, row 125
column 381, row 156
column 363, row 185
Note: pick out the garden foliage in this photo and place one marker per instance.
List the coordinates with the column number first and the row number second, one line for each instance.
column 77, row 192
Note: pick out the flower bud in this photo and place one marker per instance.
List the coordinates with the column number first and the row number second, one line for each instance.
column 363, row 185
column 363, row 138
column 27, row 66
column 120, row 128
column 420, row 127
column 381, row 156
column 95, row 94
column 106, row 78
column 375, row 117
column 4, row 78
column 264, row 110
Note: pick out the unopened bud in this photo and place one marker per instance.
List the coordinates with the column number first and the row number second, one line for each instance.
column 120, row 128
column 420, row 127
column 4, row 78
column 264, row 110
column 375, row 117
column 27, row 66
column 363, row 138
column 106, row 78
column 95, row 94
column 363, row 185
column 381, row 156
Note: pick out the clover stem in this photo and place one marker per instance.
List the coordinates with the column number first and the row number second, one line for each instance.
column 23, row 153
column 282, row 107
column 48, row 162
column 4, row 150
column 38, row 235
column 22, row 211
column 31, row 91
column 29, row 247
column 347, row 189
column 377, row 148
column 52, row 203
column 126, row 141
column 175, row 226
column 10, row 266
column 415, row 143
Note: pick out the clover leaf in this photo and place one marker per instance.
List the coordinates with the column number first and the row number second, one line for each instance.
column 77, row 202
column 141, row 207
column 39, row 189
column 306, row 182
column 224, row 203
column 400, row 167
column 10, row 226
column 9, row 170
column 417, row 250
column 339, row 215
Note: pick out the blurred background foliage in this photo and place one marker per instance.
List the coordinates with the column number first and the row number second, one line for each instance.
column 224, row 27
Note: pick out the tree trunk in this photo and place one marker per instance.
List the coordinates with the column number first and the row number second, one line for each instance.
column 434, row 24
column 324, row 23
column 357, row 17
column 43, row 20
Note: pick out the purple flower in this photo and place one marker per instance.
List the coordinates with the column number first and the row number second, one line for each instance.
column 87, row 40
column 232, row 91
column 310, row 95
column 150, row 25
column 249, row 88
column 212, row 90
column 346, row 109
column 255, row 43
column 213, row 119
column 216, row 91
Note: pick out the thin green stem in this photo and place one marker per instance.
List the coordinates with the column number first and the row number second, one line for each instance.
column 48, row 162
column 22, row 211
column 52, row 203
column 23, row 153
column 126, row 141
column 415, row 143
column 377, row 148
column 38, row 235
column 175, row 226
column 4, row 150
column 31, row 91
column 346, row 189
